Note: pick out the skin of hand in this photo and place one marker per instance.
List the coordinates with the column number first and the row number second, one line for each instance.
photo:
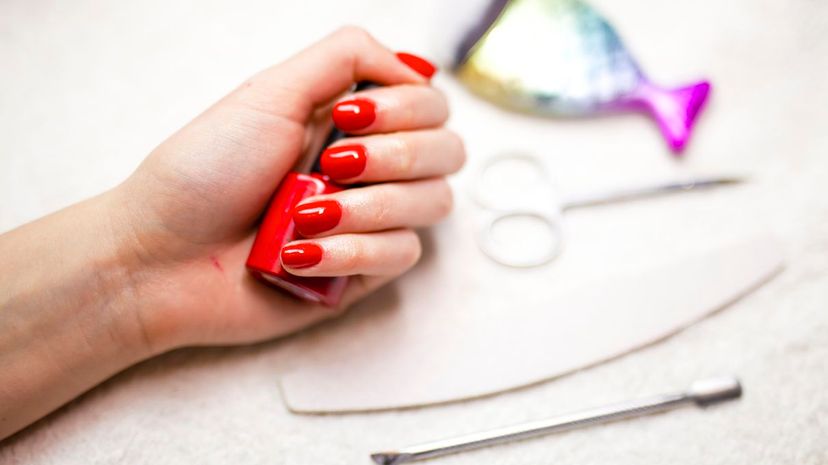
column 159, row 261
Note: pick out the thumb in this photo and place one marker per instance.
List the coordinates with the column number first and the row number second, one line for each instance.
column 226, row 163
column 323, row 71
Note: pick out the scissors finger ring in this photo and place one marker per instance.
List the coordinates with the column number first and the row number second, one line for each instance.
column 507, row 256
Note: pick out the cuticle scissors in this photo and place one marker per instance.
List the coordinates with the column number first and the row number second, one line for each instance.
column 541, row 203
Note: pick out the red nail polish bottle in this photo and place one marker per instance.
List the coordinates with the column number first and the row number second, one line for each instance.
column 278, row 228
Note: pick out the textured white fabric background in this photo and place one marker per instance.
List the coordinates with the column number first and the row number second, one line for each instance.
column 87, row 88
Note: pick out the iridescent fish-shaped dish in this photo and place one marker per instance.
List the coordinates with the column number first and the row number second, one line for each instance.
column 577, row 66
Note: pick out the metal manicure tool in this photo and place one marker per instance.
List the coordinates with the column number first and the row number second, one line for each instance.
column 517, row 188
column 701, row 393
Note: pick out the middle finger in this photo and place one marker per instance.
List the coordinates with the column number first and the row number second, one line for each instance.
column 394, row 157
column 392, row 108
column 376, row 207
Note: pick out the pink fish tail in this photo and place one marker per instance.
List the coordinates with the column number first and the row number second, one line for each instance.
column 675, row 110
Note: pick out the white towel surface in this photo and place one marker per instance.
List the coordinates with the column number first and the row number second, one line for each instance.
column 88, row 88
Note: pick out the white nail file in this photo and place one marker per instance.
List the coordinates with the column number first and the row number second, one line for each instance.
column 392, row 357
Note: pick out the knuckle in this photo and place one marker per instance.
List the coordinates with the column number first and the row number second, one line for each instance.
column 443, row 102
column 355, row 35
column 416, row 97
column 349, row 30
column 404, row 155
column 407, row 112
column 443, row 198
column 383, row 206
column 413, row 250
column 459, row 148
column 353, row 256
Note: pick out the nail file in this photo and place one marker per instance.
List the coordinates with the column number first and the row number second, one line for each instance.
column 390, row 355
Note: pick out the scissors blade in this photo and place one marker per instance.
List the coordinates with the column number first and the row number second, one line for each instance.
column 635, row 193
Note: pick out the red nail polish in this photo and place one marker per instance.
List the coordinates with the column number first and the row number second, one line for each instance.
column 418, row 64
column 354, row 114
column 279, row 227
column 343, row 162
column 316, row 217
column 301, row 255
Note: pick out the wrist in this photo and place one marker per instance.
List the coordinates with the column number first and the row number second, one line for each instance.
column 136, row 276
column 101, row 270
column 70, row 311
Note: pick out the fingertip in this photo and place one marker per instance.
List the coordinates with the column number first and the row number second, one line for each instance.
column 460, row 151
column 300, row 256
column 445, row 200
column 344, row 162
column 354, row 114
column 419, row 64
column 317, row 217
column 415, row 250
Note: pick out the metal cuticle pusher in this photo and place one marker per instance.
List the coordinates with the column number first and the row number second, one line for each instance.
column 701, row 393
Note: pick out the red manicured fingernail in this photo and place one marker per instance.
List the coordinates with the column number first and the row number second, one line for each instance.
column 418, row 64
column 343, row 162
column 301, row 255
column 354, row 114
column 317, row 217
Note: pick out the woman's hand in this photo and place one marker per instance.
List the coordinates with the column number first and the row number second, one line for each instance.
column 159, row 261
column 194, row 203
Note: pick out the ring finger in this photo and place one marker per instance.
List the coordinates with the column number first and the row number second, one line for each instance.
column 375, row 208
